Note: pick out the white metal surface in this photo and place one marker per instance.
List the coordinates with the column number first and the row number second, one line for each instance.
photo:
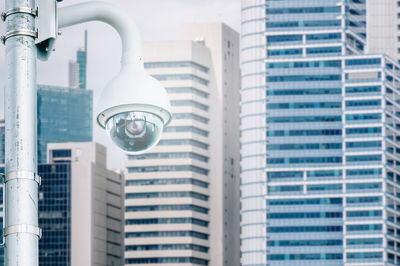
column 47, row 28
column 133, row 90
column 21, row 194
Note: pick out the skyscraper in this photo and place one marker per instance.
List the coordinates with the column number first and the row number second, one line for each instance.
column 78, row 69
column 319, row 132
column 182, row 197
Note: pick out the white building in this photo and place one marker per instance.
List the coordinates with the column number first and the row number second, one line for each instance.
column 93, row 215
column 182, row 197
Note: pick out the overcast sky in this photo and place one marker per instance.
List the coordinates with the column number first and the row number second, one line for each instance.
column 157, row 20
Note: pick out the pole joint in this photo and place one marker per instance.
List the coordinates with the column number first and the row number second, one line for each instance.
column 19, row 10
column 22, row 175
column 23, row 228
column 14, row 33
column 22, row 32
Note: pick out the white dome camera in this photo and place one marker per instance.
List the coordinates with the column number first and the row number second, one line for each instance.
column 134, row 108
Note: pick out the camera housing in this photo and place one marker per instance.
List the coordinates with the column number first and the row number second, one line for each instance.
column 134, row 108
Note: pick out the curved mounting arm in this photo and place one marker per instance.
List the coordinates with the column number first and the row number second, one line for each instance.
column 115, row 17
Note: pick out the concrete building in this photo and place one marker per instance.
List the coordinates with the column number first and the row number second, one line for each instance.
column 182, row 197
column 319, row 135
column 80, row 207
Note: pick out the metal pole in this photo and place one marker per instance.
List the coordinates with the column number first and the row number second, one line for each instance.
column 21, row 230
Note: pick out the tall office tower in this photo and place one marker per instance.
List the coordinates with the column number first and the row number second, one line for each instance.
column 78, row 69
column 182, row 197
column 319, row 137
column 80, row 207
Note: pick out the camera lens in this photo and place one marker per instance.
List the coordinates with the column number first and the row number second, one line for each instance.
column 135, row 132
column 136, row 127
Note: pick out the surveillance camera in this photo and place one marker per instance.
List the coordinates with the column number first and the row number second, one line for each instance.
column 133, row 109
column 134, row 131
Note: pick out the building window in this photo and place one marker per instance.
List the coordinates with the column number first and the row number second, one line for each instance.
column 176, row 65
column 152, row 208
column 167, row 247
column 61, row 153
column 284, row 38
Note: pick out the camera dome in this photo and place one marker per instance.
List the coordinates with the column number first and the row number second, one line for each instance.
column 134, row 108
column 134, row 132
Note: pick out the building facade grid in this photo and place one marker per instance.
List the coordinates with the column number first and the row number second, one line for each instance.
column 319, row 130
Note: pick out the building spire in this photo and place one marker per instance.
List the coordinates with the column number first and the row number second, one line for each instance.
column 86, row 40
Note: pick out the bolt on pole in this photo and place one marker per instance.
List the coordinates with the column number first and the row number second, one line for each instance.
column 21, row 231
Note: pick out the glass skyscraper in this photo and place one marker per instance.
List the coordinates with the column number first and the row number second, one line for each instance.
column 320, row 132
column 81, row 59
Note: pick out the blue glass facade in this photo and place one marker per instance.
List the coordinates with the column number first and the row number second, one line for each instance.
column 330, row 190
column 64, row 115
column 81, row 59
column 55, row 214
